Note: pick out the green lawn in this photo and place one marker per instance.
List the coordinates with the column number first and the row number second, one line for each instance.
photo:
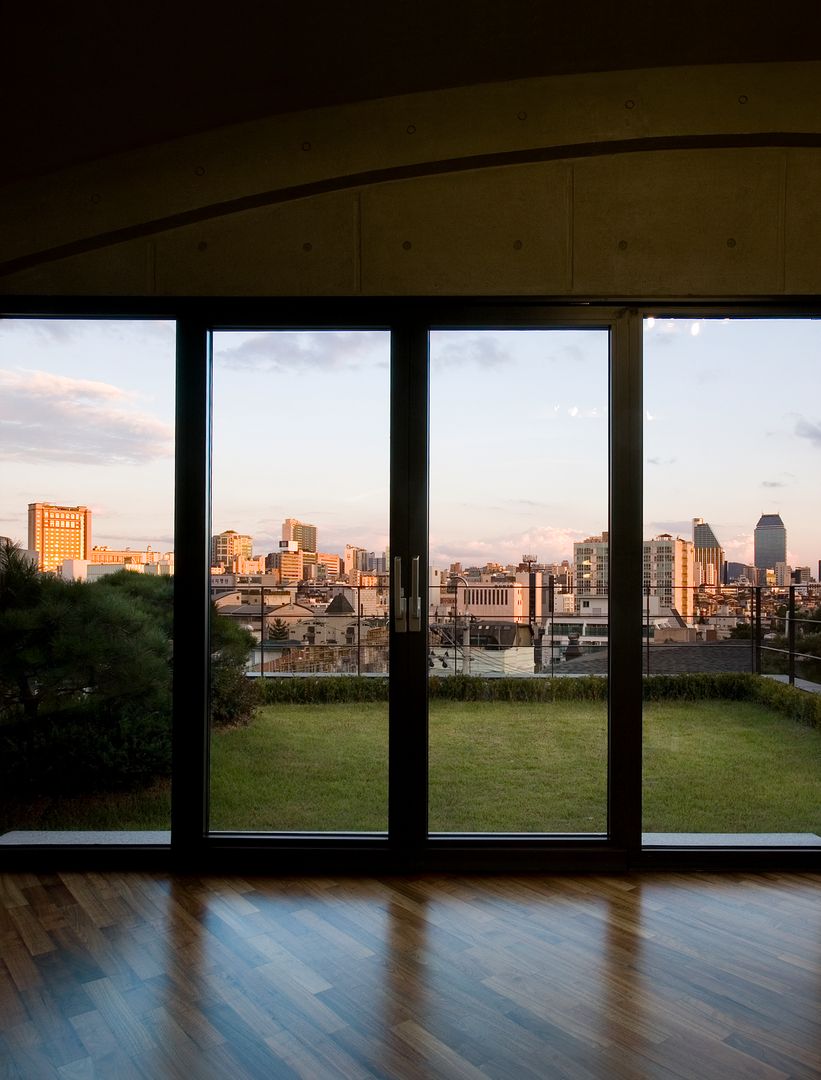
column 709, row 766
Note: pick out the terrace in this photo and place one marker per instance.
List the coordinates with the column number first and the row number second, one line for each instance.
column 518, row 726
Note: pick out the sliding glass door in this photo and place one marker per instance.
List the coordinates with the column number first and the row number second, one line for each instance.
column 337, row 616
column 299, row 581
column 517, row 605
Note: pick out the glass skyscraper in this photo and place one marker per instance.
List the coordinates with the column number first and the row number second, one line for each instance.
column 709, row 554
column 770, row 542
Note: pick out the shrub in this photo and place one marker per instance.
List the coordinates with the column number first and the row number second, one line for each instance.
column 327, row 690
column 84, row 752
column 789, row 701
column 476, row 688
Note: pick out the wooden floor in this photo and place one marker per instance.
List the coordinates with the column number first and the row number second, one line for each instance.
column 667, row 975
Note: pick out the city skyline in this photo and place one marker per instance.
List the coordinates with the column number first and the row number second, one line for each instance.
column 88, row 413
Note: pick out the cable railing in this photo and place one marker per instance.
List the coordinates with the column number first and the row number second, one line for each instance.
column 501, row 626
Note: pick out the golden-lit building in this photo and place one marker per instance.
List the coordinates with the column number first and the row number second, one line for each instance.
column 229, row 545
column 125, row 556
column 669, row 573
column 290, row 564
column 59, row 532
column 300, row 531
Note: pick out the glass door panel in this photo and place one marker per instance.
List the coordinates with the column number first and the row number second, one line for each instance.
column 86, row 580
column 518, row 585
column 732, row 641
column 299, row 581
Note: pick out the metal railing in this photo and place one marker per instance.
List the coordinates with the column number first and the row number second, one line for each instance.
column 501, row 626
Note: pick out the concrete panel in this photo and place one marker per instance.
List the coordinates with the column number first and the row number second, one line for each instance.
column 501, row 231
column 706, row 222
column 300, row 248
column 413, row 131
column 120, row 270
column 802, row 224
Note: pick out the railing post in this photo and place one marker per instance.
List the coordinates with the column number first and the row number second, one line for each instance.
column 647, row 628
column 791, row 634
column 262, row 631
column 757, row 631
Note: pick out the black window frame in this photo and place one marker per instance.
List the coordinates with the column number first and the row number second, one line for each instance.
column 407, row 848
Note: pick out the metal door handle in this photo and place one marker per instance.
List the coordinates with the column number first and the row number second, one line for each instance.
column 415, row 616
column 400, row 604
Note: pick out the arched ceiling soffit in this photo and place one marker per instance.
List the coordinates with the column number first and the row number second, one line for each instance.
column 85, row 81
column 298, row 155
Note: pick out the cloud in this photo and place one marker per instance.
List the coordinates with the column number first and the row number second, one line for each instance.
column 481, row 350
column 66, row 332
column 661, row 461
column 305, row 352
column 48, row 331
column 772, row 484
column 575, row 412
column 739, row 548
column 807, row 430
column 48, row 417
column 585, row 414
column 682, row 527
column 549, row 544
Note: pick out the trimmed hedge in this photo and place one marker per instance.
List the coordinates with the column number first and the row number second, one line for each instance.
column 787, row 700
column 476, row 688
column 324, row 691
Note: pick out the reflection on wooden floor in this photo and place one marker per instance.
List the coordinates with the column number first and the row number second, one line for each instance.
column 667, row 975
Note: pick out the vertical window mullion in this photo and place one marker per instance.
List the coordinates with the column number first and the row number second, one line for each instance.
column 625, row 574
column 191, row 591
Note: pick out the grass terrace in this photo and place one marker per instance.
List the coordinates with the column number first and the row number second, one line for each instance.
column 722, row 754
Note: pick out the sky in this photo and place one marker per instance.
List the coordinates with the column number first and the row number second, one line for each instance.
column 87, row 418
column 518, row 449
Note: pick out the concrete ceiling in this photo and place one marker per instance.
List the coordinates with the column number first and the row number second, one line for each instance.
column 82, row 80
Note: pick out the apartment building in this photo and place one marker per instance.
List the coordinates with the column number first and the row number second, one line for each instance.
column 229, row 545
column 669, row 573
column 591, row 573
column 301, row 532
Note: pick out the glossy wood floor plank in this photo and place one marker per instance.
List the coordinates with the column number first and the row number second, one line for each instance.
column 701, row 976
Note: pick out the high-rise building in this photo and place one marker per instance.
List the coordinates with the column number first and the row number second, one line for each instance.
column 591, row 562
column 291, row 565
column 229, row 545
column 770, row 542
column 669, row 573
column 356, row 558
column 59, row 532
column 709, row 555
column 302, row 532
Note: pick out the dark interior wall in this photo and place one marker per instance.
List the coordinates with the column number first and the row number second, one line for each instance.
column 663, row 181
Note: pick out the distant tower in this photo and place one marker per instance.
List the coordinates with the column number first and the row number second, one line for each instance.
column 709, row 554
column 770, row 542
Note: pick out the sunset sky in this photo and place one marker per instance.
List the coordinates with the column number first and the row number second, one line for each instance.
column 518, row 434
